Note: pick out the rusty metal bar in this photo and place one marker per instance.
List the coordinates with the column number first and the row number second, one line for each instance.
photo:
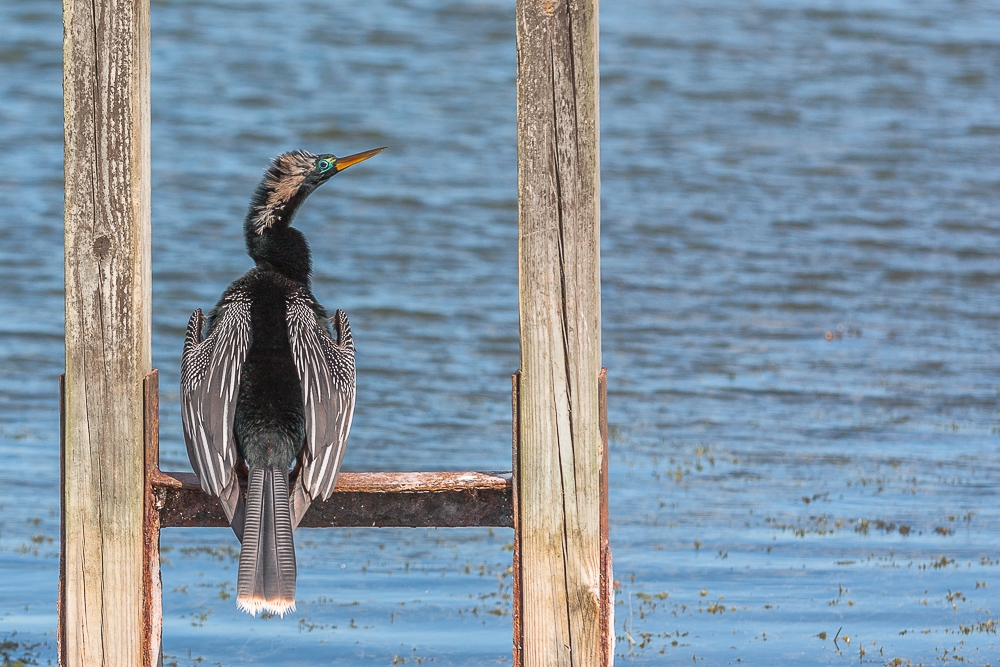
column 516, row 600
column 152, row 594
column 382, row 499
column 61, row 591
column 607, row 573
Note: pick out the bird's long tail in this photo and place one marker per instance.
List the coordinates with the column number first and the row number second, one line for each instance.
column 266, row 580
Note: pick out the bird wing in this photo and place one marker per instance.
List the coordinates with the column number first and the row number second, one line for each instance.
column 326, row 373
column 339, row 356
column 210, row 382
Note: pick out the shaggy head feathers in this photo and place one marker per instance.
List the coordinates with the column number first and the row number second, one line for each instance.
column 280, row 189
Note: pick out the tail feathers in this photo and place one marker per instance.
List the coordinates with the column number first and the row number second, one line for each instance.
column 266, row 580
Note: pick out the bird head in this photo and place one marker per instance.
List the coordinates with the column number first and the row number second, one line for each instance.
column 291, row 178
column 325, row 166
column 288, row 181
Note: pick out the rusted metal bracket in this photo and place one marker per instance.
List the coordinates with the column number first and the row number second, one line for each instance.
column 377, row 499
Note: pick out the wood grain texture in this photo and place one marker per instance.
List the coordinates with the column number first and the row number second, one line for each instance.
column 107, row 274
column 559, row 289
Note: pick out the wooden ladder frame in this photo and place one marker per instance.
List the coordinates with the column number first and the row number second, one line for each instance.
column 115, row 499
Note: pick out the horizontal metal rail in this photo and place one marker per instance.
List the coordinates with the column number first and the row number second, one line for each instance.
column 383, row 499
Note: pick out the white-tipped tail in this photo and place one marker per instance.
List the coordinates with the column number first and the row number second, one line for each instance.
column 266, row 580
column 254, row 605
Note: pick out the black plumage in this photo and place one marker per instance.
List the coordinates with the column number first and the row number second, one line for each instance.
column 268, row 381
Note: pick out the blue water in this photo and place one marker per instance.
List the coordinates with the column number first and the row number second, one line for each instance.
column 800, row 250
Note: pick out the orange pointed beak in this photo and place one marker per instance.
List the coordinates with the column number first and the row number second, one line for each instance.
column 342, row 163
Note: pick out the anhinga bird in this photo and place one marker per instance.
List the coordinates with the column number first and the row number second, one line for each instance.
column 265, row 384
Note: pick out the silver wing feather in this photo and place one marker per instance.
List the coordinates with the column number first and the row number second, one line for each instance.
column 326, row 372
column 339, row 357
column 210, row 381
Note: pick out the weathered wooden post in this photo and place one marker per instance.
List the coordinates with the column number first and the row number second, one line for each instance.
column 564, row 604
column 106, row 106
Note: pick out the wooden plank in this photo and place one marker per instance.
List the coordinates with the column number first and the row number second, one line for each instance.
column 107, row 239
column 382, row 499
column 559, row 290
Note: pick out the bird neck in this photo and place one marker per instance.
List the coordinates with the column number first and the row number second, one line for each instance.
column 283, row 249
column 271, row 241
column 274, row 204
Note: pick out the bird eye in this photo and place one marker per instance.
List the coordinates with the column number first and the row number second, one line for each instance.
column 324, row 165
